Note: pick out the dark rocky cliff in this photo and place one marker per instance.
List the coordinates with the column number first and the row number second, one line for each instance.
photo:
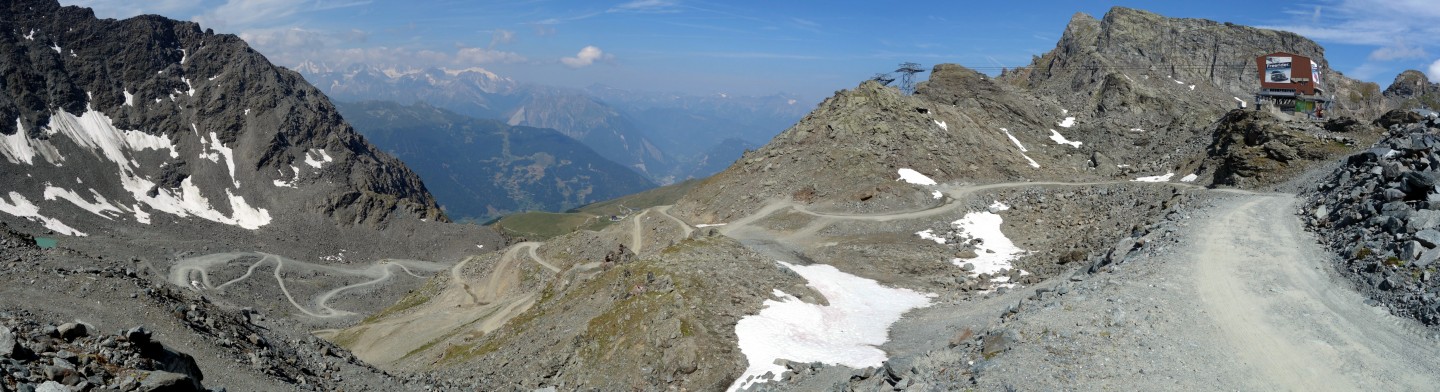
column 195, row 93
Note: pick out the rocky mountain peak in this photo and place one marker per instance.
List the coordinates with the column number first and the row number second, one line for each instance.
column 1412, row 89
column 1410, row 83
column 149, row 121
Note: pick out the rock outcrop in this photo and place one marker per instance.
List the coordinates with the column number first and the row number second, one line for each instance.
column 1255, row 148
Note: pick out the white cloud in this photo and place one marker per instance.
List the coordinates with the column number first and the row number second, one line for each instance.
column 655, row 6
column 588, row 55
column 466, row 56
column 1398, row 51
column 243, row 14
column 501, row 37
column 1366, row 22
column 1434, row 71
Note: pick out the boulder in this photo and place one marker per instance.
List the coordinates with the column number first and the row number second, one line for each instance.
column 137, row 335
column 8, row 345
column 163, row 381
column 1417, row 185
column 1423, row 219
column 51, row 386
column 1429, row 238
column 1410, row 250
column 71, row 331
column 1398, row 116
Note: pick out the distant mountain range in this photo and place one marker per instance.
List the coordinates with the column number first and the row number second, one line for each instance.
column 481, row 169
column 666, row 137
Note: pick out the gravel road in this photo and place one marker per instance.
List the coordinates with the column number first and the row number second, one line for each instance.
column 1241, row 298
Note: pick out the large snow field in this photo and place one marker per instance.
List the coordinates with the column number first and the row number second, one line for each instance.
column 845, row 332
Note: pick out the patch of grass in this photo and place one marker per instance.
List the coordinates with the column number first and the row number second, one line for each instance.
column 416, row 298
column 540, row 225
column 1394, row 261
column 664, row 195
column 1363, row 253
column 346, row 338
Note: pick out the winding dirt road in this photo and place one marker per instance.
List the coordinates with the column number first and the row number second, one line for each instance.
column 1268, row 288
column 195, row 273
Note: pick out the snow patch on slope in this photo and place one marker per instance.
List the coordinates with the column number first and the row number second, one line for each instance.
column 292, row 181
column 846, row 332
column 1068, row 122
column 942, row 125
column 929, row 234
column 1189, row 178
column 911, row 176
column 99, row 207
column 1160, row 178
column 17, row 148
column 94, row 130
column 995, row 252
column 317, row 158
column 227, row 152
column 18, row 206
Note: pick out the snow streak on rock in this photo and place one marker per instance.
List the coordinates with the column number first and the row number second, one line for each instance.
column 1058, row 138
column 99, row 207
column 846, row 332
column 1021, row 147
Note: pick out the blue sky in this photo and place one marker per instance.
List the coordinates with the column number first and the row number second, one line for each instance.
column 809, row 48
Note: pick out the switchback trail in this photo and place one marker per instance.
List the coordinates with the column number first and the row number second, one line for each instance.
column 195, row 273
